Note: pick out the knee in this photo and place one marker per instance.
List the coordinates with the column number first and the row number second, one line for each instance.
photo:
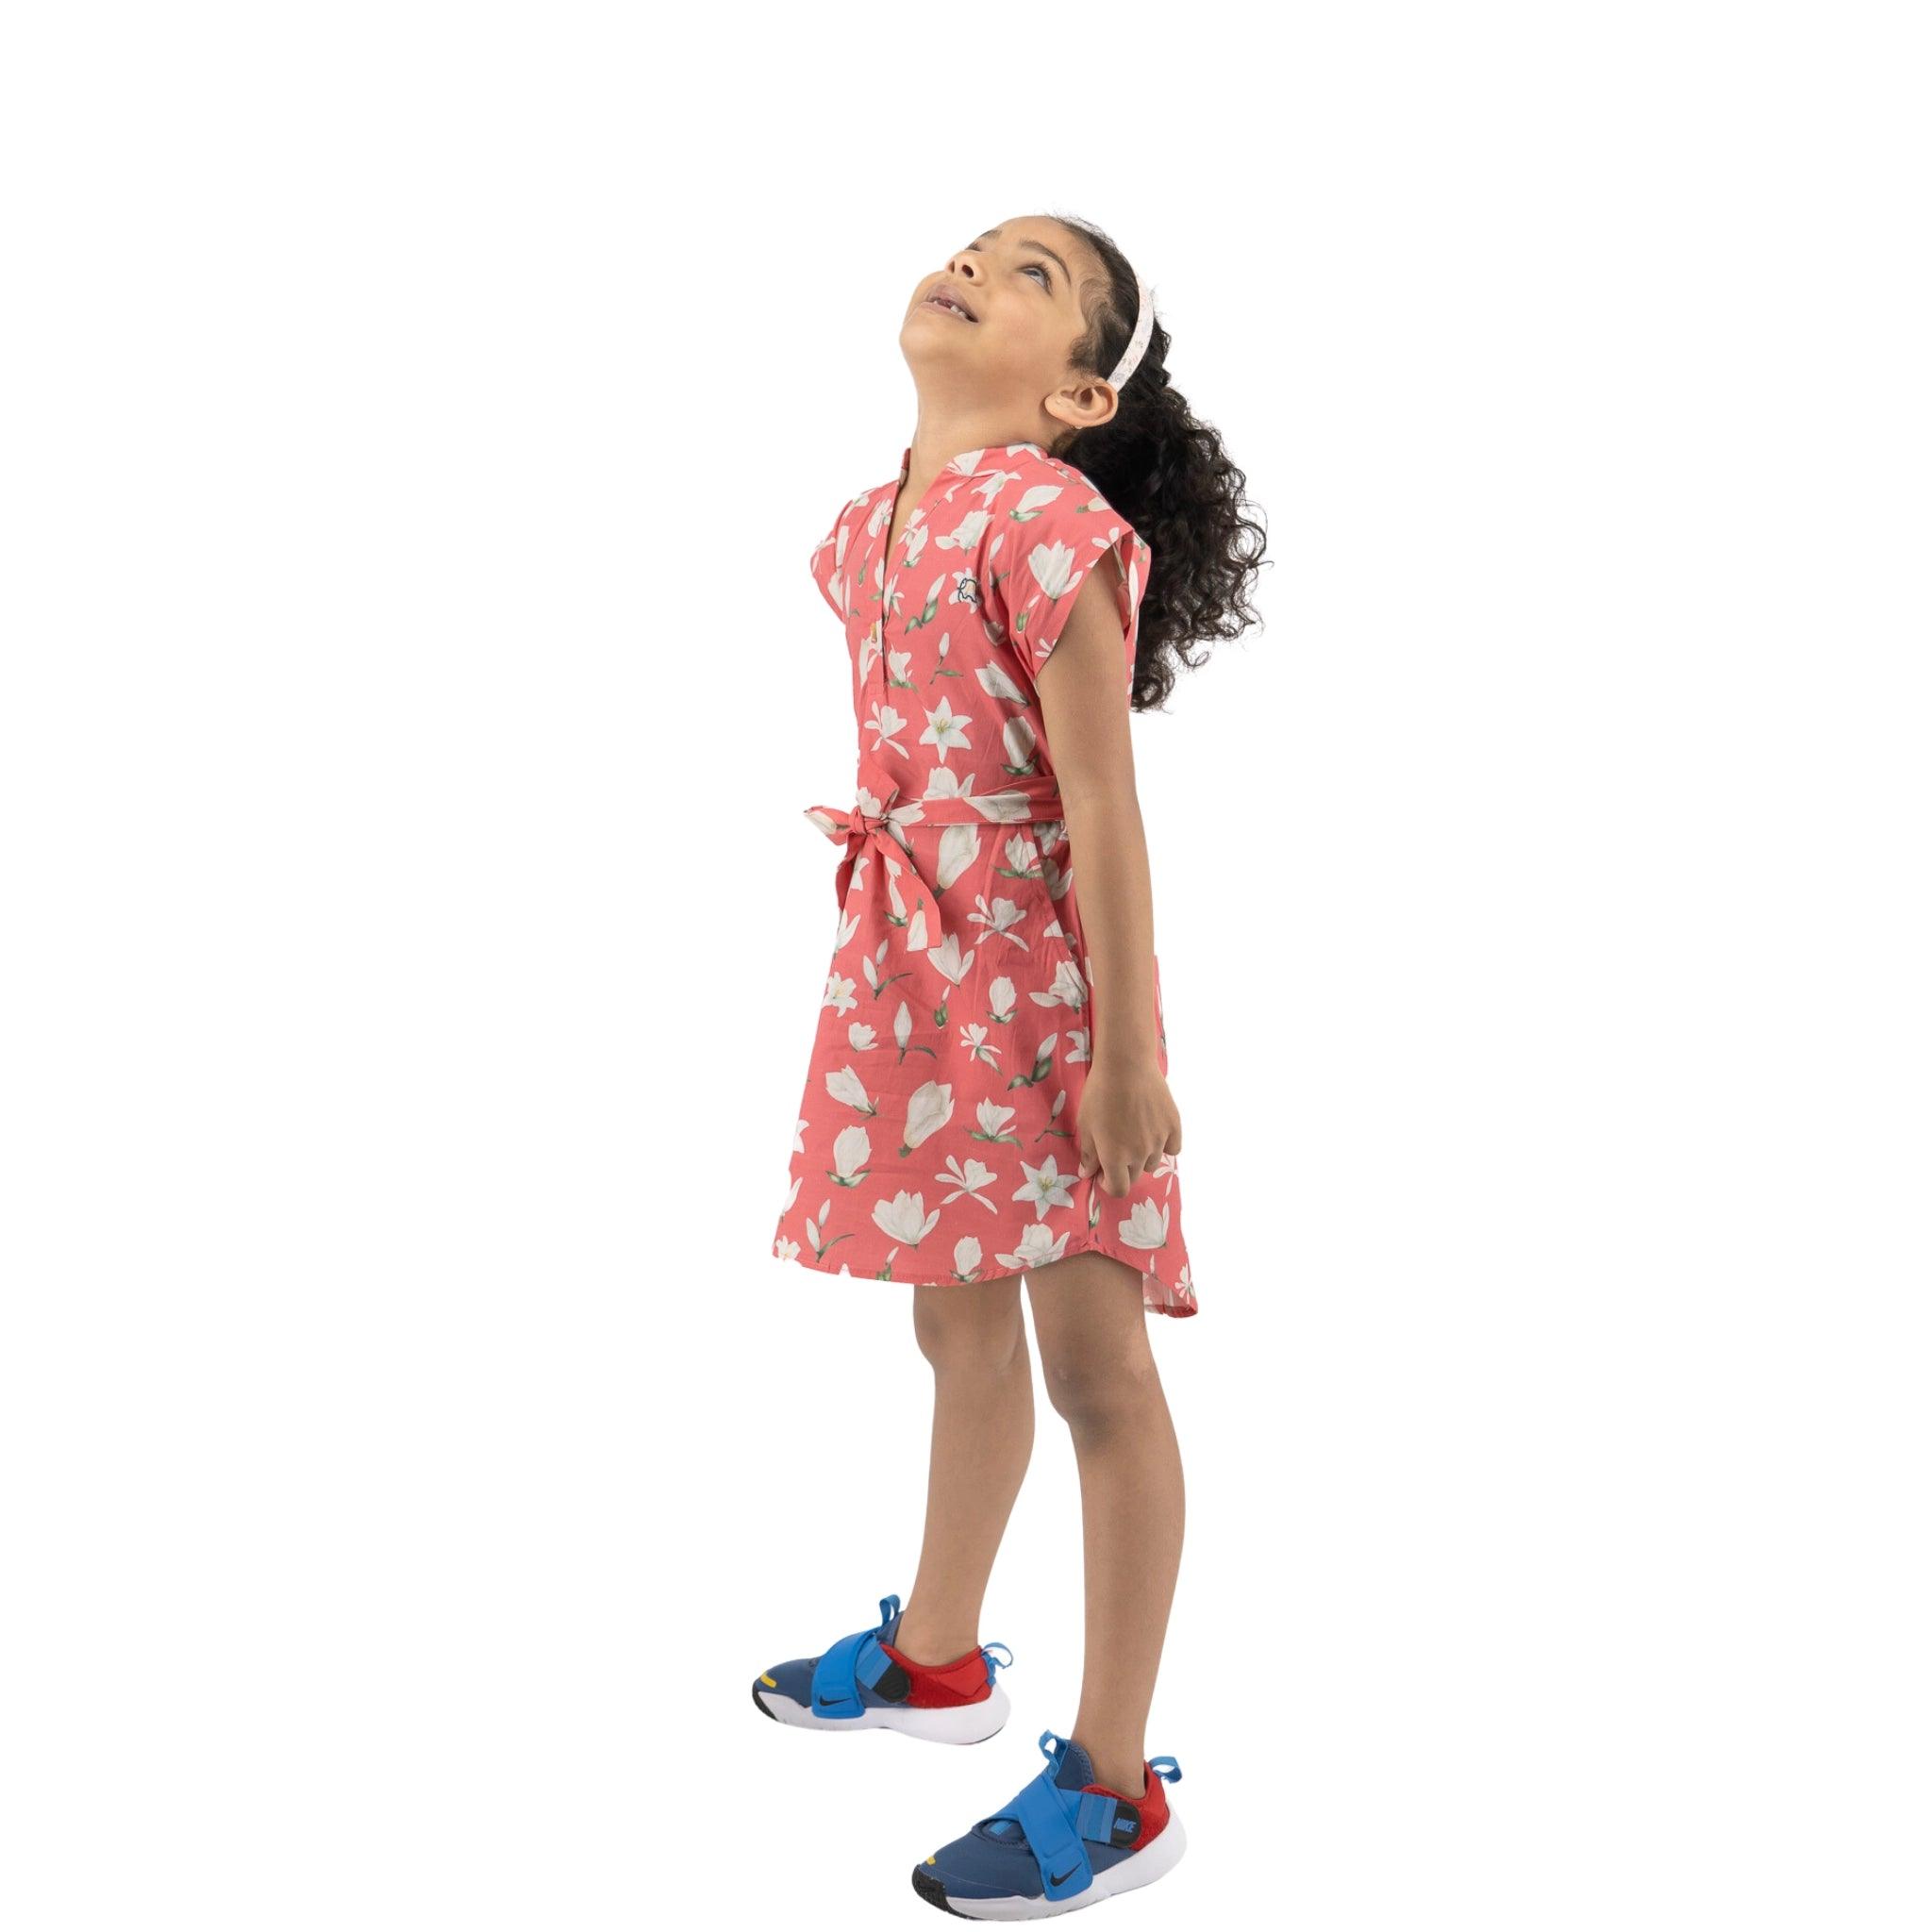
column 960, row 1333
column 1100, row 1392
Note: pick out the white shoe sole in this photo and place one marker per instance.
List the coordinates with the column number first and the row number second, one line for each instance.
column 1144, row 1868
column 959, row 1723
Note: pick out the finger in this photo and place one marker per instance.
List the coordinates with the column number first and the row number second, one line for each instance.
column 1120, row 1176
column 1174, row 1138
column 1089, row 1161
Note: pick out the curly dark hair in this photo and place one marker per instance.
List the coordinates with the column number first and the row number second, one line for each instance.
column 1167, row 474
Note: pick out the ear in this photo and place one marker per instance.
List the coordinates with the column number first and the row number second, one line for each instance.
column 1083, row 405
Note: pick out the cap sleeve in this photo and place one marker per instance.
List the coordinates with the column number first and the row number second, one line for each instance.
column 830, row 556
column 1057, row 530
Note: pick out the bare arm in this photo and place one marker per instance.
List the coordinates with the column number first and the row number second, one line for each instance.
column 1128, row 1117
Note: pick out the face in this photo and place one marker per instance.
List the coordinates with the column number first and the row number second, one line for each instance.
column 998, row 324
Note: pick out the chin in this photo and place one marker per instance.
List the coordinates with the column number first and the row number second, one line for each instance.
column 922, row 345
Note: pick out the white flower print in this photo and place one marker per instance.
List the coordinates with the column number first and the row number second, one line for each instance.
column 1023, row 857
column 899, row 815
column 969, row 1178
column 974, row 1039
column 1052, row 567
column 903, row 1217
column 966, row 533
column 996, row 684
column 955, row 765
column 941, row 782
column 843, row 1084
column 950, row 960
column 1037, row 1246
column 1001, row 918
column 1068, row 988
column 1042, row 1063
column 1036, row 500
column 874, row 978
column 1046, row 1187
column 992, row 482
column 930, row 1108
column 851, row 1153
column 958, row 853
column 869, row 648
column 1003, row 808
column 945, row 730
column 818, row 1229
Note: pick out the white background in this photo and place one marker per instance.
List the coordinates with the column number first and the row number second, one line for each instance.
column 416, row 420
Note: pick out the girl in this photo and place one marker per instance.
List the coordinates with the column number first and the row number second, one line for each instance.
column 987, row 1098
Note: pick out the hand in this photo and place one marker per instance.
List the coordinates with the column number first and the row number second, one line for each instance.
column 1128, row 1125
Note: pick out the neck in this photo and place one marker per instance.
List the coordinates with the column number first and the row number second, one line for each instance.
column 942, row 436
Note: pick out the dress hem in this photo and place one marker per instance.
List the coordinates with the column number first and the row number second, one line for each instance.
column 1174, row 1309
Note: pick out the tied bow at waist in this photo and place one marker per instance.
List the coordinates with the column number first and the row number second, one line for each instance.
column 874, row 830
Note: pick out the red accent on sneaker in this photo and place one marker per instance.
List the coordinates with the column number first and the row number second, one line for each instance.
column 938, row 1687
column 1153, row 1808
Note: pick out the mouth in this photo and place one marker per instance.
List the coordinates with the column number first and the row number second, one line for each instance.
column 947, row 299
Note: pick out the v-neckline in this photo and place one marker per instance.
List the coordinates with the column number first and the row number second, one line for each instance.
column 892, row 515
column 946, row 470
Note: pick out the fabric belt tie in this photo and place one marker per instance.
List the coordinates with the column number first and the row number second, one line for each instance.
column 873, row 828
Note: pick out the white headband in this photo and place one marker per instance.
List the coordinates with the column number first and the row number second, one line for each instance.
column 1137, row 343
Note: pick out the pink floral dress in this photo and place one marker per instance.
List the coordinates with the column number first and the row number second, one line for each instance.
column 937, row 1140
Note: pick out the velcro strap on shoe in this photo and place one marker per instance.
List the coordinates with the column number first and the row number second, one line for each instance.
column 1041, row 1810
column 1098, row 1815
column 852, row 1661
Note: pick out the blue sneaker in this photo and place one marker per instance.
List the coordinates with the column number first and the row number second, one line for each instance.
column 863, row 1683
column 1064, row 1842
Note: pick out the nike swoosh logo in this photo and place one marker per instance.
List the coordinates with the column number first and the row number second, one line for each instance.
column 1061, row 1877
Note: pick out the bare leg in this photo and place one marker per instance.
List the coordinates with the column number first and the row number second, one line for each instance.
column 982, row 1436
column 1092, row 1334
